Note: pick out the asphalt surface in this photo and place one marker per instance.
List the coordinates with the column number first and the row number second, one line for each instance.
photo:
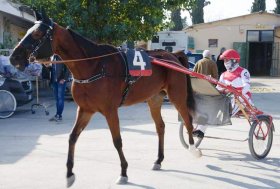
column 33, row 151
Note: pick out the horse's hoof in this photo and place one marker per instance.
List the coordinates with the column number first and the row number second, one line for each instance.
column 70, row 180
column 195, row 152
column 122, row 180
column 156, row 166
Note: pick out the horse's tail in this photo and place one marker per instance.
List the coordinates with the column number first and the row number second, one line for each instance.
column 190, row 99
column 181, row 56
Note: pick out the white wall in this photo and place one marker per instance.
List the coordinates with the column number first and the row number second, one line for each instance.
column 11, row 8
column 230, row 30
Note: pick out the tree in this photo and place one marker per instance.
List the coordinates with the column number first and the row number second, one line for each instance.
column 109, row 21
column 258, row 5
column 198, row 13
column 277, row 9
column 176, row 20
column 196, row 10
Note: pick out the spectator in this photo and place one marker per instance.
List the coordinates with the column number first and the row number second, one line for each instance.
column 220, row 63
column 59, row 77
column 206, row 66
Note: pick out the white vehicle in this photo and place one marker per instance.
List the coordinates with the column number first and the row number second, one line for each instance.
column 170, row 41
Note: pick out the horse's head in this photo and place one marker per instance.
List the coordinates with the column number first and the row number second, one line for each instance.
column 36, row 42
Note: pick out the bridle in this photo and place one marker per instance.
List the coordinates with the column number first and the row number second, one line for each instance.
column 42, row 44
column 47, row 38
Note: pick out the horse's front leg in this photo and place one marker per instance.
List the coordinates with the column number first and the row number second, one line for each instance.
column 82, row 120
column 113, row 122
column 155, row 107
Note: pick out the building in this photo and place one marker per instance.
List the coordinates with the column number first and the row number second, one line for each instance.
column 255, row 36
column 14, row 22
column 169, row 40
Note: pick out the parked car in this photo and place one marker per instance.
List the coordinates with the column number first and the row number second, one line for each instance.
column 15, row 87
column 13, row 93
column 191, row 65
column 194, row 57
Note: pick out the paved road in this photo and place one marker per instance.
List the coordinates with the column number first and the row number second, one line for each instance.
column 33, row 151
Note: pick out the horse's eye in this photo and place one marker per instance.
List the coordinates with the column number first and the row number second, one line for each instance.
column 37, row 35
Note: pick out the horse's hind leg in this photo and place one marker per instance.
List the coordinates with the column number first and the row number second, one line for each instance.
column 113, row 122
column 181, row 105
column 155, row 107
column 82, row 120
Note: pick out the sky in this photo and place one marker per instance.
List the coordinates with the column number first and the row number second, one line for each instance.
column 221, row 9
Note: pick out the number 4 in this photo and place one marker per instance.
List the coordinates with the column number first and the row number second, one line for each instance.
column 138, row 60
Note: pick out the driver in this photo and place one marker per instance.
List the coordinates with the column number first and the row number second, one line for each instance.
column 235, row 76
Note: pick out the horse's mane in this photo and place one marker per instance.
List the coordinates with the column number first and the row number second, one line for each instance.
column 89, row 47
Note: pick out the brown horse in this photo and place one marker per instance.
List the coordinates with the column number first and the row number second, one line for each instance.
column 100, row 84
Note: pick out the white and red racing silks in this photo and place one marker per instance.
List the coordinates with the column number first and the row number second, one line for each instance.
column 238, row 78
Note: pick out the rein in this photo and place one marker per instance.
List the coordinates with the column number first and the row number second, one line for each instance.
column 78, row 60
column 169, row 61
column 91, row 79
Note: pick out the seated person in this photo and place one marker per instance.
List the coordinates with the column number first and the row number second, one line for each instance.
column 235, row 76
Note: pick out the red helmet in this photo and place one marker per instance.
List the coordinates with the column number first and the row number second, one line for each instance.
column 230, row 54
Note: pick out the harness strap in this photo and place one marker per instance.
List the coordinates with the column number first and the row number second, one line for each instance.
column 91, row 79
column 125, row 65
column 125, row 93
column 127, row 77
column 126, row 90
column 46, row 38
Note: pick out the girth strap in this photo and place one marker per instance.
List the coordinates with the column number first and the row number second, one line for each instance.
column 92, row 79
column 125, row 93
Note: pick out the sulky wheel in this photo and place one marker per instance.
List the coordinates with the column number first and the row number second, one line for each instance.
column 261, row 137
column 8, row 104
column 184, row 137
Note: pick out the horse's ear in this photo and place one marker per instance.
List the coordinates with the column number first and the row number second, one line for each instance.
column 37, row 15
column 45, row 18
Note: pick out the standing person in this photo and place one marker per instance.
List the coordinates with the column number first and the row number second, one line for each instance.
column 59, row 76
column 220, row 63
column 205, row 66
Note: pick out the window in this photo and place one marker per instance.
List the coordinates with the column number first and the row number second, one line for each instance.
column 266, row 35
column 212, row 42
column 169, row 49
column 190, row 43
column 253, row 36
column 260, row 36
column 155, row 39
column 168, row 43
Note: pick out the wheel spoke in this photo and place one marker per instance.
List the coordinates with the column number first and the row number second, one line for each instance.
column 260, row 138
column 7, row 104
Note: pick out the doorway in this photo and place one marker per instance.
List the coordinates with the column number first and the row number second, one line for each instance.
column 260, row 58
